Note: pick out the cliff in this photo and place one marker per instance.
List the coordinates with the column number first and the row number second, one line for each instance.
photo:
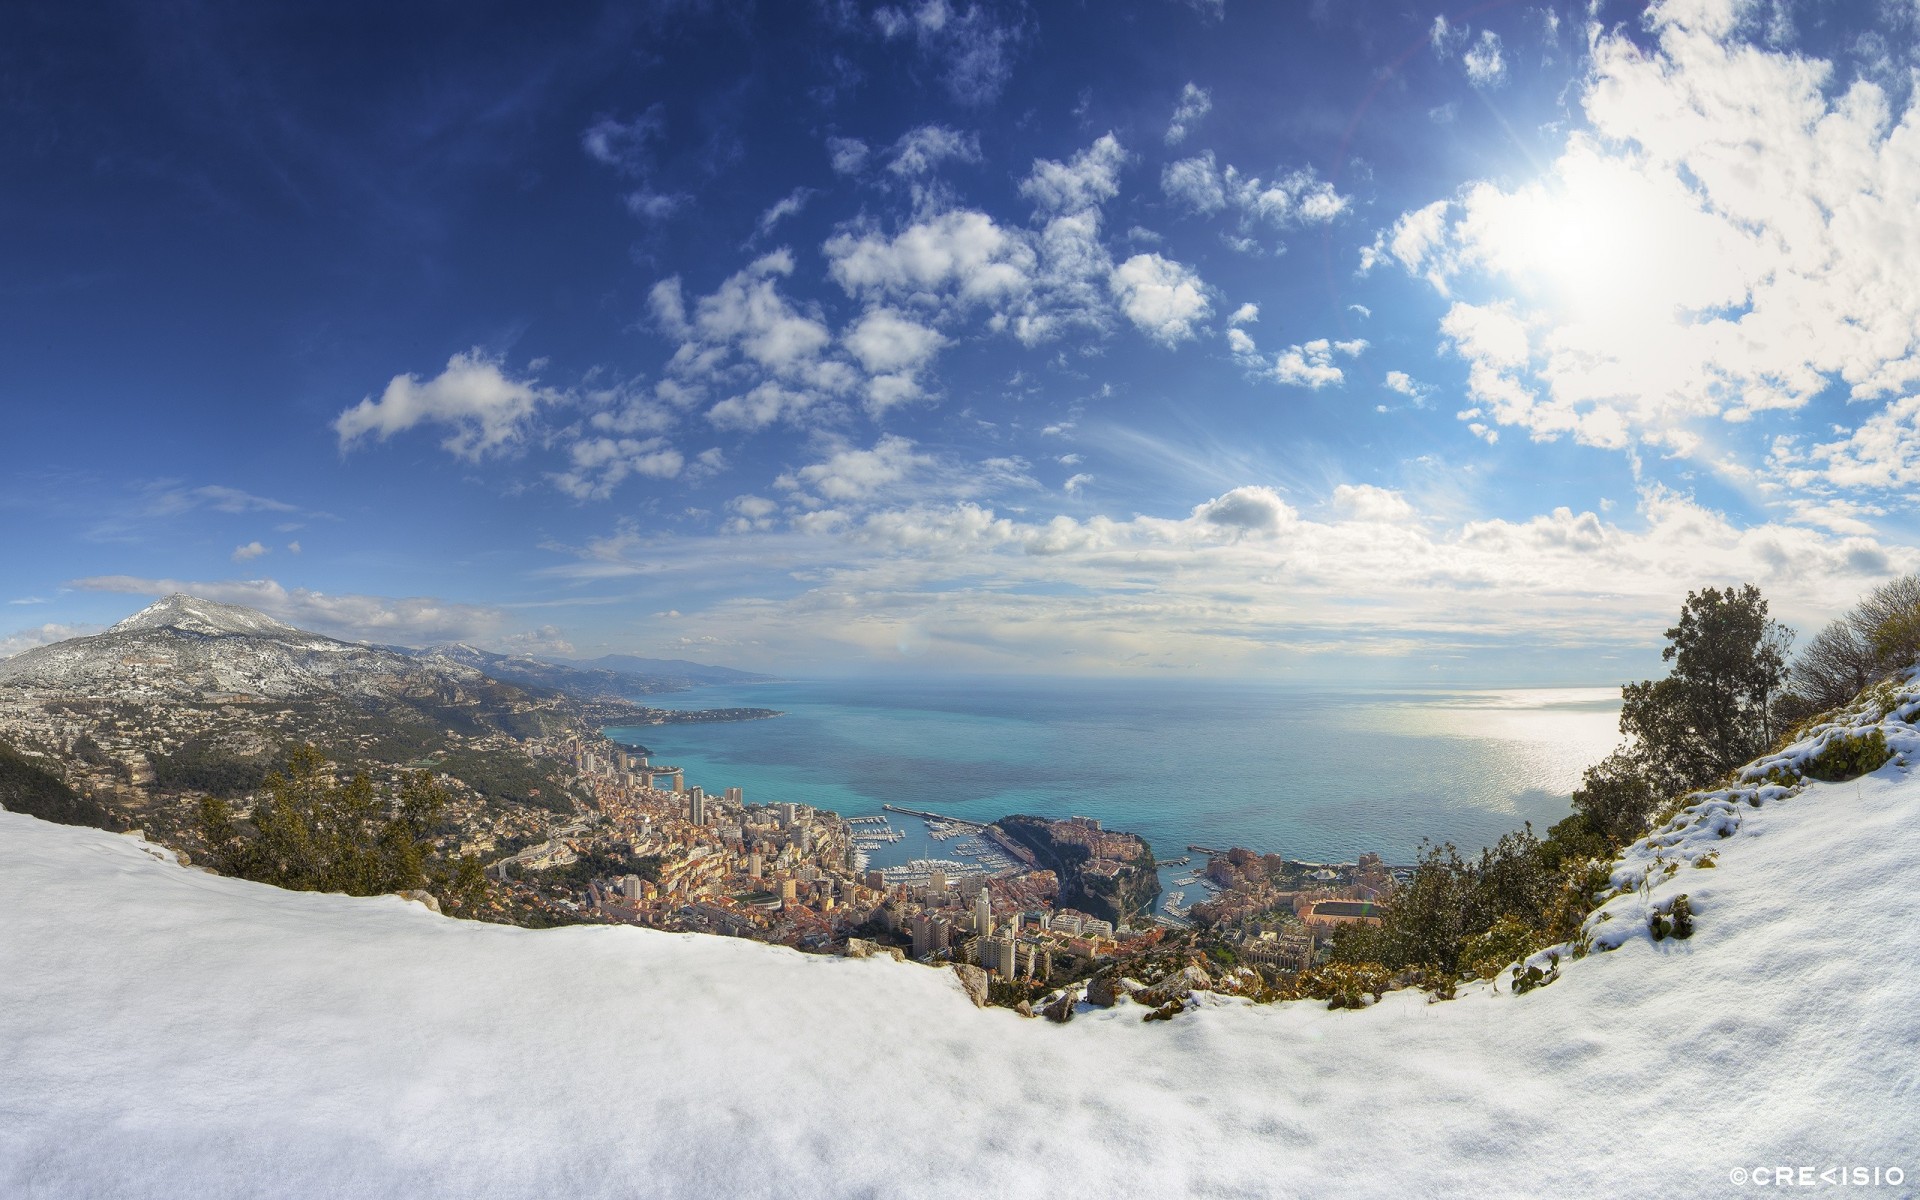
column 1102, row 872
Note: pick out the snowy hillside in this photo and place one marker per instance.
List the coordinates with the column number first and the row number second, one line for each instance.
column 167, row 1033
column 187, row 648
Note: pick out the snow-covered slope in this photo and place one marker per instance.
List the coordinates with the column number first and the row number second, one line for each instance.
column 164, row 1032
column 191, row 649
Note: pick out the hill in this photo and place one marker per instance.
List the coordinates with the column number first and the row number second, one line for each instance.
column 310, row 1045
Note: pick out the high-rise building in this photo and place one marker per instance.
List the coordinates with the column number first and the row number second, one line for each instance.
column 983, row 914
column 1005, row 956
column 736, row 795
column 697, row 806
column 937, row 882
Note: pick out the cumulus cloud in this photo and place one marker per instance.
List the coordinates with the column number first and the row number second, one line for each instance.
column 850, row 473
column 1195, row 102
column 1087, row 180
column 251, row 550
column 599, row 464
column 1486, row 61
column 963, row 255
column 1295, row 199
column 1311, row 365
column 1194, row 182
column 1365, row 502
column 486, row 410
column 1730, row 240
column 1161, row 297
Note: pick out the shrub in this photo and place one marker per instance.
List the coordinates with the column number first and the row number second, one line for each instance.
column 1682, row 918
column 1343, row 985
column 1526, row 978
column 1849, row 756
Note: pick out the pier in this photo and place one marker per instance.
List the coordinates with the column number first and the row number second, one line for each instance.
column 934, row 816
column 1209, row 851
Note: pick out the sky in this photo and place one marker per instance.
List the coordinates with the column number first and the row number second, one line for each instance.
column 1312, row 341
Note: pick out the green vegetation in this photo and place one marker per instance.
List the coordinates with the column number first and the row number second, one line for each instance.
column 1728, row 699
column 27, row 787
column 199, row 765
column 596, row 864
column 1849, row 756
column 310, row 832
column 507, row 777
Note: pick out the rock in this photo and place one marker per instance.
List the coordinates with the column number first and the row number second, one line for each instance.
column 420, row 896
column 1061, row 1010
column 1167, row 1011
column 1103, row 990
column 1024, row 1009
column 973, row 981
column 859, row 948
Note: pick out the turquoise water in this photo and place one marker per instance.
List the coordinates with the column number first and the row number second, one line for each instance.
column 1319, row 775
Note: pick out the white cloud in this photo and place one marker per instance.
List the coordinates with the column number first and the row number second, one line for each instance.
column 626, row 145
column 850, row 473
column 974, row 50
column 1246, row 314
column 1295, row 199
column 961, row 254
column 168, row 499
column 1486, row 61
column 248, row 552
column 599, row 464
column 788, row 206
column 1235, row 579
column 848, row 155
column 1365, row 502
column 1088, row 180
column 922, row 150
column 1161, row 297
column 1195, row 102
column 293, row 547
column 1076, row 482
column 885, row 340
column 487, row 410
column 1195, row 182
column 42, row 635
column 1258, row 510
column 1311, row 365
column 1731, row 239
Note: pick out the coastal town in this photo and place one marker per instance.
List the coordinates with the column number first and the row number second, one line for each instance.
column 1029, row 902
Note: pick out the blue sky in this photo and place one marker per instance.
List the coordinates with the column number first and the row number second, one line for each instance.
column 1317, row 341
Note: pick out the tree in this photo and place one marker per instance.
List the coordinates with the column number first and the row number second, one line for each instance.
column 1888, row 619
column 1834, row 667
column 1715, row 710
column 310, row 832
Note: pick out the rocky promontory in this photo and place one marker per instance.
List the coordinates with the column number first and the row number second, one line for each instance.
column 1103, row 872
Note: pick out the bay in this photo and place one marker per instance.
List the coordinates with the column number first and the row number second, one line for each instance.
column 1316, row 774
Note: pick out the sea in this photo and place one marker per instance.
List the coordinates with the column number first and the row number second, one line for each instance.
column 1322, row 775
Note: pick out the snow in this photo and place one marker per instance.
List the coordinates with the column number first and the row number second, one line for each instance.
column 181, row 611
column 165, row 1032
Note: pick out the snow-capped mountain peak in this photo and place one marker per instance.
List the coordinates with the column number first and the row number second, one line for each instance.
column 191, row 613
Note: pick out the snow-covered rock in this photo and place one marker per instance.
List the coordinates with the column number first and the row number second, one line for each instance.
column 167, row 1033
